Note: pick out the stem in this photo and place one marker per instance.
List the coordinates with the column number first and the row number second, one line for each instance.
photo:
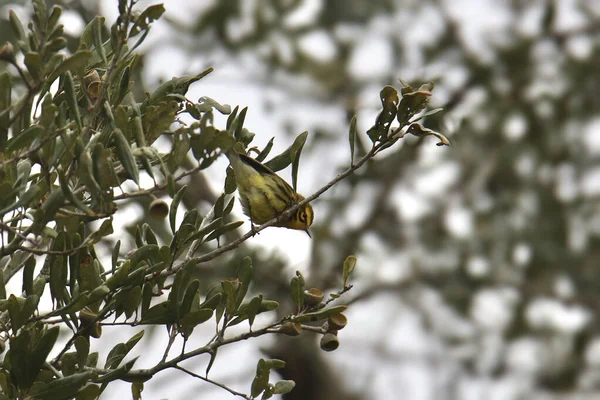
column 222, row 386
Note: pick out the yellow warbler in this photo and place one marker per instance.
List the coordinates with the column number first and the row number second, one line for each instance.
column 265, row 195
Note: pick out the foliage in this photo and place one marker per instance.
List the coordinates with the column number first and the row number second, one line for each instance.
column 66, row 172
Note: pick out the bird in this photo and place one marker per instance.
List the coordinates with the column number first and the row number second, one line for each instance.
column 264, row 195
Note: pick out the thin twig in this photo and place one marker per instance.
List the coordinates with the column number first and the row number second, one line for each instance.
column 222, row 386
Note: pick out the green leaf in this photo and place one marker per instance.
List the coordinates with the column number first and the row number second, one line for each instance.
column 5, row 100
column 206, row 104
column 149, row 15
column 97, row 25
column 17, row 28
column 223, row 229
column 2, row 285
column 28, row 276
column 349, row 264
column 33, row 62
column 230, row 184
column 261, row 380
column 90, row 392
column 159, row 314
column 71, row 97
column 115, row 254
column 174, row 206
column 82, row 345
column 253, row 308
column 289, row 155
column 76, row 64
column 244, row 275
column 283, row 387
column 125, row 155
column 24, row 139
column 297, row 290
column 87, row 37
column 175, row 86
column 65, row 388
column 352, row 139
column 230, row 287
column 190, row 294
column 420, row 131
column 319, row 315
column 265, row 152
column 195, row 318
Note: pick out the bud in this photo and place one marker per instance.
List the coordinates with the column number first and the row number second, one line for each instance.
column 329, row 342
column 312, row 297
column 88, row 321
column 291, row 328
column 159, row 209
column 7, row 53
column 337, row 321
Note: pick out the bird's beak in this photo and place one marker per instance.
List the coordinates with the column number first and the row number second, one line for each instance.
column 307, row 232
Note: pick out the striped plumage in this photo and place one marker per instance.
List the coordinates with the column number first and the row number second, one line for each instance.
column 264, row 195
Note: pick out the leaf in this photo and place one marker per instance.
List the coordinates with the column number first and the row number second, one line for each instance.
column 319, row 315
column 253, row 308
column 265, row 152
column 90, row 392
column 283, row 387
column 147, row 16
column 2, row 285
column 71, row 97
column 244, row 275
column 27, row 277
column 420, row 131
column 174, row 206
column 5, row 100
column 352, row 138
column 297, row 293
column 24, row 139
column 195, row 318
column 349, row 264
column 190, row 294
column 261, row 380
column 230, row 287
column 125, row 155
column 289, row 155
column 76, row 64
column 82, row 345
column 65, row 388
column 178, row 85
column 206, row 103
column 97, row 25
column 223, row 229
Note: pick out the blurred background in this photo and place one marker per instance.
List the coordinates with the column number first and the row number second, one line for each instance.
column 478, row 271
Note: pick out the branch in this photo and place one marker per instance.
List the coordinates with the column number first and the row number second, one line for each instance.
column 222, row 386
column 284, row 215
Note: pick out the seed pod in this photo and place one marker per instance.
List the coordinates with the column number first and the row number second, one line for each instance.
column 329, row 342
column 159, row 209
column 337, row 321
column 312, row 297
column 291, row 328
column 86, row 317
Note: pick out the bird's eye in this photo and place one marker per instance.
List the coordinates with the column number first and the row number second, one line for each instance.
column 303, row 217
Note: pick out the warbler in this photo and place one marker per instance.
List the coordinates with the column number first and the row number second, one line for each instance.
column 265, row 195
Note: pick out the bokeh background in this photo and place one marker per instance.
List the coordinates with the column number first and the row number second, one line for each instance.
column 478, row 270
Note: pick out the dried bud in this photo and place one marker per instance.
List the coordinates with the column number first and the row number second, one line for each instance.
column 90, row 77
column 337, row 321
column 329, row 342
column 312, row 297
column 88, row 320
column 93, row 90
column 7, row 53
column 159, row 209
column 291, row 328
